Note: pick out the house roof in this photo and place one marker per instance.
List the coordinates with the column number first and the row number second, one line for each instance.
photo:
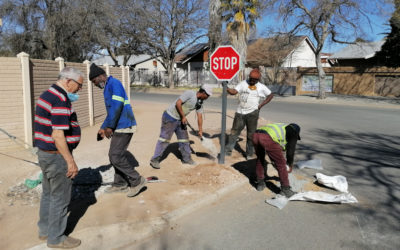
column 189, row 52
column 269, row 51
column 360, row 50
column 133, row 60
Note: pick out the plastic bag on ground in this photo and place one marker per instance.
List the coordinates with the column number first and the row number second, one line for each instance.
column 210, row 146
column 278, row 201
column 314, row 164
column 324, row 197
column 33, row 183
column 337, row 182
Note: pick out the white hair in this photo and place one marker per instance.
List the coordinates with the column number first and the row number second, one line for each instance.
column 70, row 73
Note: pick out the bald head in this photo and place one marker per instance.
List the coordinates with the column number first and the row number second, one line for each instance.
column 255, row 73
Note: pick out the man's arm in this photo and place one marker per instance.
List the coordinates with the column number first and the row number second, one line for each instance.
column 290, row 150
column 178, row 106
column 267, row 100
column 200, row 123
column 62, row 147
column 231, row 91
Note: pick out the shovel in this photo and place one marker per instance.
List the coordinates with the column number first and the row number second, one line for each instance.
column 206, row 142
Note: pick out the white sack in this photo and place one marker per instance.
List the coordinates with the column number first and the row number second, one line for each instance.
column 324, row 197
column 315, row 164
column 278, row 201
column 210, row 146
column 337, row 182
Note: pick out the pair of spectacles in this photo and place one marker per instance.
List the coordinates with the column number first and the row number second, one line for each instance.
column 80, row 84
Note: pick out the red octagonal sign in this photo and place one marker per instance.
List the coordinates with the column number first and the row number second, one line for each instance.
column 225, row 63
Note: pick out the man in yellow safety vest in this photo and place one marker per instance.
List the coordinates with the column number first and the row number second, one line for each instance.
column 272, row 140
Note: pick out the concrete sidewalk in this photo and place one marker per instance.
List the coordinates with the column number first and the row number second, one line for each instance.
column 104, row 221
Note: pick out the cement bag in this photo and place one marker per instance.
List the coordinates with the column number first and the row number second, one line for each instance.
column 324, row 197
column 337, row 182
column 314, row 164
column 278, row 201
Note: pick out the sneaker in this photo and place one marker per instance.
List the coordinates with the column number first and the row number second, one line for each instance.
column 133, row 191
column 116, row 189
column 261, row 185
column 154, row 163
column 69, row 242
column 286, row 191
column 189, row 162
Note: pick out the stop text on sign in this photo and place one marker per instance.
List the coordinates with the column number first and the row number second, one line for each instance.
column 225, row 63
column 221, row 63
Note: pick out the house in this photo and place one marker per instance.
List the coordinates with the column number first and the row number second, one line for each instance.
column 358, row 54
column 144, row 69
column 191, row 65
column 281, row 51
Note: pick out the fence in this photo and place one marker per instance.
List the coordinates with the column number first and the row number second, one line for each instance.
column 160, row 78
column 22, row 80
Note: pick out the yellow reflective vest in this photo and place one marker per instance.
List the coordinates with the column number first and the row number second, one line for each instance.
column 277, row 132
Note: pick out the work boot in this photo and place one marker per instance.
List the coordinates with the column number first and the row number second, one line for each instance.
column 286, row 191
column 261, row 185
column 43, row 237
column 69, row 242
column 155, row 163
column 116, row 189
column 189, row 162
column 133, row 191
column 251, row 157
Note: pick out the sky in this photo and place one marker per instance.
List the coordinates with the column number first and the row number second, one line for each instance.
column 379, row 26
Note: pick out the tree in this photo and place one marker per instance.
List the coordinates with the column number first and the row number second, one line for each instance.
column 215, row 27
column 390, row 51
column 48, row 29
column 240, row 15
column 170, row 26
column 333, row 19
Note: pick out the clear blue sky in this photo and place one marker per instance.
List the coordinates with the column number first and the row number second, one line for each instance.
column 379, row 26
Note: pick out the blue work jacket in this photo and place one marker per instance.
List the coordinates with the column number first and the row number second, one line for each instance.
column 119, row 110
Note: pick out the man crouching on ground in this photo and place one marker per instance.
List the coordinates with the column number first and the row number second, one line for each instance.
column 174, row 121
column 119, row 125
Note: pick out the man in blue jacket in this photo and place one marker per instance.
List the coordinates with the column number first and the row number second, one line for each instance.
column 119, row 125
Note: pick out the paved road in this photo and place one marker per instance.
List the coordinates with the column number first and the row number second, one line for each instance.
column 359, row 142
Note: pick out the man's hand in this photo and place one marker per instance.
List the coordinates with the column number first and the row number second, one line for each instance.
column 201, row 134
column 72, row 170
column 184, row 120
column 290, row 168
column 108, row 132
column 100, row 135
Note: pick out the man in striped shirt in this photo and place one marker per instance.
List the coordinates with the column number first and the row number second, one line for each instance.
column 57, row 134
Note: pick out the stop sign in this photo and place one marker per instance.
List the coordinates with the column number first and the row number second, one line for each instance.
column 225, row 63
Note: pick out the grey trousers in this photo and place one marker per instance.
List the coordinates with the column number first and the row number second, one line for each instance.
column 239, row 122
column 123, row 161
column 56, row 196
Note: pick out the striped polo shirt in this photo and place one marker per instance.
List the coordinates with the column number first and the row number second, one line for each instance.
column 54, row 111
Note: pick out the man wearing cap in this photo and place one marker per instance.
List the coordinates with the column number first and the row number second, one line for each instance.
column 119, row 125
column 272, row 139
column 174, row 121
column 251, row 92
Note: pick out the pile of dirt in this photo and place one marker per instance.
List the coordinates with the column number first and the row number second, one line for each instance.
column 208, row 174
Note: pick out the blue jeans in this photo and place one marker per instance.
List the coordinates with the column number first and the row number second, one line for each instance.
column 56, row 196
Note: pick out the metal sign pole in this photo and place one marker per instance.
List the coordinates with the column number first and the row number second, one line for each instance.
column 221, row 159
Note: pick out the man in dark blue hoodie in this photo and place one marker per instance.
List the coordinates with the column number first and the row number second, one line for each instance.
column 119, row 125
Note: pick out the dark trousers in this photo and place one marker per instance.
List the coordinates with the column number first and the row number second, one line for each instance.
column 123, row 161
column 56, row 196
column 239, row 122
column 263, row 143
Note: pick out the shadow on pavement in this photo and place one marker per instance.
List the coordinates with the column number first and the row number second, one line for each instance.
column 84, row 186
column 370, row 162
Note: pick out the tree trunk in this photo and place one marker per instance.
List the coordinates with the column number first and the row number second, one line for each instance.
column 321, row 76
column 215, row 28
column 171, row 74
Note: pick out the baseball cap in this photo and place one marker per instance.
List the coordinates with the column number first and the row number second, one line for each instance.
column 207, row 88
column 296, row 128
